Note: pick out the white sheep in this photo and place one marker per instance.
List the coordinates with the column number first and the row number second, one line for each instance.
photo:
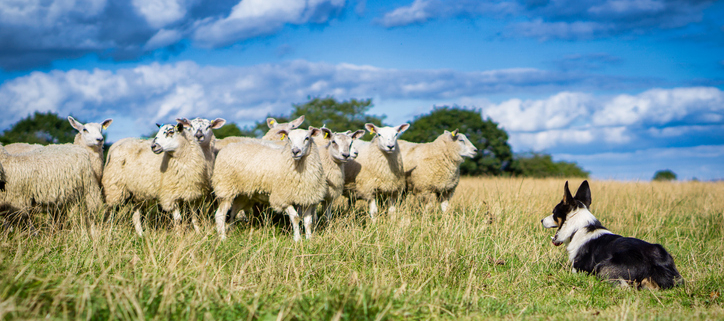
column 17, row 148
column 272, row 134
column 171, row 168
column 377, row 171
column 89, row 137
column 432, row 170
column 202, row 130
column 51, row 177
column 334, row 150
column 283, row 177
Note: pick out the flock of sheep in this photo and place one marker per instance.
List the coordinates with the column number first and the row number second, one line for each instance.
column 290, row 170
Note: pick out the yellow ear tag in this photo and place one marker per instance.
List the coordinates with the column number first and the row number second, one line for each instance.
column 372, row 131
column 283, row 136
column 105, row 127
column 325, row 135
column 272, row 122
column 454, row 134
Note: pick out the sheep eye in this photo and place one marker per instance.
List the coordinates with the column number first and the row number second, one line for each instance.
column 85, row 130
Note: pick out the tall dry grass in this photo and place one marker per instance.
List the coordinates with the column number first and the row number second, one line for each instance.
column 487, row 258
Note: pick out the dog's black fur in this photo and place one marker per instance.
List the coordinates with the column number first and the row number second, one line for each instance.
column 614, row 257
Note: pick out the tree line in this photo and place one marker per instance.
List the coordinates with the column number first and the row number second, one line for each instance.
column 495, row 157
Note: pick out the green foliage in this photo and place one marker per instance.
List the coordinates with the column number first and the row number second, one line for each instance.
column 337, row 116
column 230, row 129
column 40, row 128
column 665, row 175
column 542, row 165
column 494, row 155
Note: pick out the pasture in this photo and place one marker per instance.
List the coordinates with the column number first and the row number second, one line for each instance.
column 489, row 257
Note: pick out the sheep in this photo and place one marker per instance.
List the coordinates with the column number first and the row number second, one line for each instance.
column 377, row 171
column 283, row 177
column 202, row 130
column 171, row 169
column 272, row 134
column 17, row 148
column 334, row 150
column 51, row 177
column 89, row 137
column 432, row 170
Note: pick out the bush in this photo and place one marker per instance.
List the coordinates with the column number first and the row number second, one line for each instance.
column 664, row 175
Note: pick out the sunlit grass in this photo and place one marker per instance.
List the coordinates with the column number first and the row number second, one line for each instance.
column 488, row 258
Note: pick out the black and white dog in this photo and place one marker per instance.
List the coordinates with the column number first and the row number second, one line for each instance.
column 594, row 249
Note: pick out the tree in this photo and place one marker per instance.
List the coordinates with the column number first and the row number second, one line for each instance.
column 494, row 154
column 665, row 175
column 40, row 128
column 337, row 116
column 542, row 165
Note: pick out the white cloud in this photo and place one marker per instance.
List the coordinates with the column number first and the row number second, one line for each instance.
column 570, row 119
column 251, row 18
column 159, row 13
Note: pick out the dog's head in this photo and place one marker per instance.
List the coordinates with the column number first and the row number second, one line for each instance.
column 565, row 210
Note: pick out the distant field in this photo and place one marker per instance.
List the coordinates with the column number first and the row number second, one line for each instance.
column 487, row 258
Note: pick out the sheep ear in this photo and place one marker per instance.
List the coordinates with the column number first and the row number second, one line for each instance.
column 158, row 125
column 358, row 134
column 314, row 131
column 371, row 128
column 180, row 127
column 297, row 122
column 106, row 123
column 283, row 134
column 402, row 128
column 455, row 134
column 271, row 122
column 184, row 121
column 217, row 123
column 327, row 132
column 76, row 124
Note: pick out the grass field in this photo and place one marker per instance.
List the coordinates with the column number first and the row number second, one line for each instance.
column 487, row 258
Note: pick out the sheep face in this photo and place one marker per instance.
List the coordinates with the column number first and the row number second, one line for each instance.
column 465, row 147
column 340, row 147
column 91, row 133
column 168, row 138
column 201, row 128
column 387, row 136
column 300, row 141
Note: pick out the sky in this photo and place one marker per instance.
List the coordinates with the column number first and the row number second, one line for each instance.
column 622, row 87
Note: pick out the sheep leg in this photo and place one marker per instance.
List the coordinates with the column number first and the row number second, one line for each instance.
column 195, row 222
column 445, row 198
column 220, row 216
column 294, row 218
column 309, row 213
column 176, row 217
column 373, row 208
column 328, row 210
column 137, row 222
column 238, row 207
column 391, row 202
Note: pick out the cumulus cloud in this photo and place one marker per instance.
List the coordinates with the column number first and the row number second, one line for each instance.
column 34, row 33
column 565, row 19
column 654, row 116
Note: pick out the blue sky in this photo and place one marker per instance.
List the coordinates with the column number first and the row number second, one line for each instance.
column 623, row 87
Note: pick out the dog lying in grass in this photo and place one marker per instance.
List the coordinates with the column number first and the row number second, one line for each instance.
column 594, row 249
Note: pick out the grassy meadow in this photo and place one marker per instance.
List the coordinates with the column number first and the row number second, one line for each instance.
column 487, row 258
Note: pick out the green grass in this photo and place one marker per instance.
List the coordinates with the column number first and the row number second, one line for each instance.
column 488, row 258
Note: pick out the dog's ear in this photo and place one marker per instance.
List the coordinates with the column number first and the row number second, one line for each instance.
column 567, row 197
column 584, row 194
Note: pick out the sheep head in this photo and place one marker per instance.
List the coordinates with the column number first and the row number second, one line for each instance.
column 465, row 147
column 168, row 138
column 387, row 136
column 300, row 140
column 90, row 133
column 201, row 128
column 340, row 144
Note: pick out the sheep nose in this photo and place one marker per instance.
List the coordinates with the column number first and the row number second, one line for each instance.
column 296, row 151
column 99, row 139
column 345, row 155
column 199, row 134
column 391, row 147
